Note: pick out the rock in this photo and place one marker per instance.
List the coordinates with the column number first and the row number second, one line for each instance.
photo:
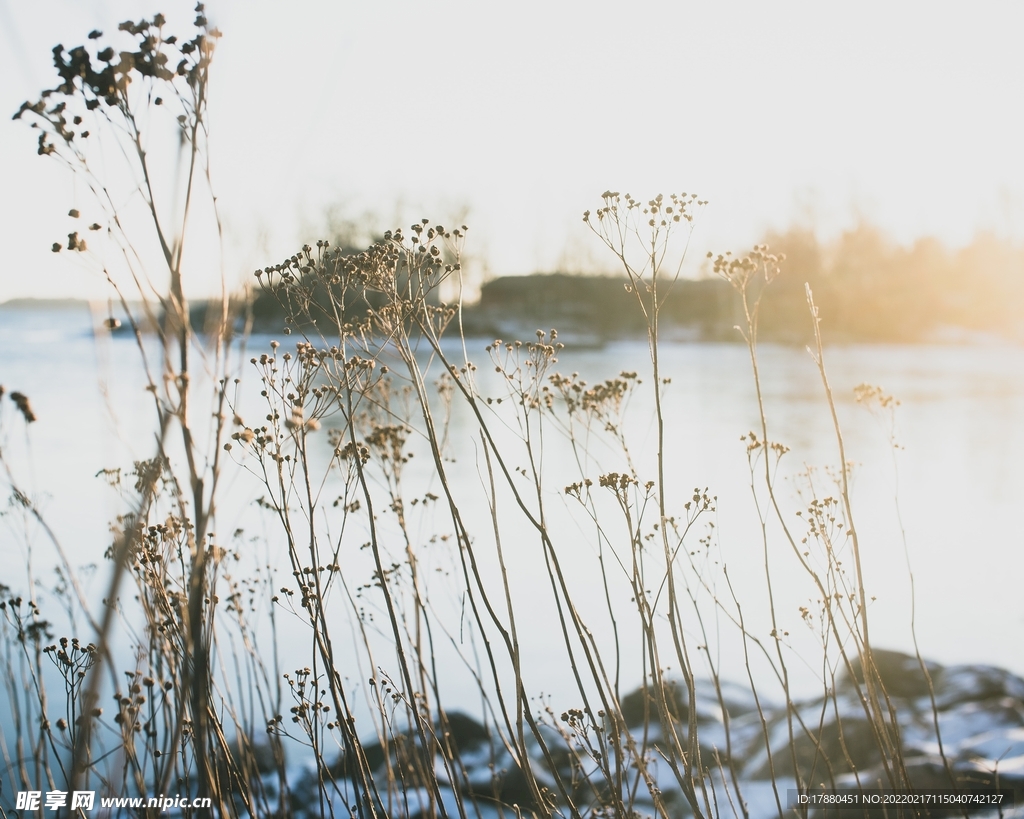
column 977, row 683
column 900, row 673
column 736, row 699
column 247, row 761
column 980, row 711
column 930, row 773
column 463, row 732
column 832, row 749
column 480, row 770
column 640, row 706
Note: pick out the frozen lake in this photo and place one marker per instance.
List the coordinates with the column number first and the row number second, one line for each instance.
column 958, row 479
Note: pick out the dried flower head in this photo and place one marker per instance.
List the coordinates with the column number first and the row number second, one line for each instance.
column 24, row 407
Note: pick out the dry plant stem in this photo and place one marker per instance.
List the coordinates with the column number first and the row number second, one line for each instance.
column 819, row 360
column 893, row 446
column 123, row 549
column 37, row 515
column 550, row 562
column 866, row 393
column 522, row 703
column 367, row 796
column 765, row 733
column 176, row 340
column 618, row 731
column 404, row 664
column 872, row 681
column 559, row 586
column 871, row 709
column 726, row 719
column 471, row 572
column 826, row 676
column 740, row 273
column 692, row 759
column 554, row 569
column 317, row 613
column 751, row 314
column 615, row 232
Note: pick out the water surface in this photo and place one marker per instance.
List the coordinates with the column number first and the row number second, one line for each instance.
column 948, row 498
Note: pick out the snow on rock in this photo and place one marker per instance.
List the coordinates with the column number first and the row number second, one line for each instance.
column 828, row 741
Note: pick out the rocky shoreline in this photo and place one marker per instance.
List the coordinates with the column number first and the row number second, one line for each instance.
column 978, row 713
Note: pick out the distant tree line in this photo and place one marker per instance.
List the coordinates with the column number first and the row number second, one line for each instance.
column 867, row 288
column 870, row 288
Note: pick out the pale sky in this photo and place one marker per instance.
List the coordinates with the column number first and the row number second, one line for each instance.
column 908, row 115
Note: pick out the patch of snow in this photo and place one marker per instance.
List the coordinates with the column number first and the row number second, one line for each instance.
column 972, row 719
column 998, row 744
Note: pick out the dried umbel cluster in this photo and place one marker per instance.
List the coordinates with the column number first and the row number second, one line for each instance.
column 756, row 447
column 72, row 655
column 302, row 389
column 392, row 282
column 94, row 79
column 739, row 271
column 21, row 401
column 874, row 397
column 109, row 86
column 524, row 367
column 660, row 211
